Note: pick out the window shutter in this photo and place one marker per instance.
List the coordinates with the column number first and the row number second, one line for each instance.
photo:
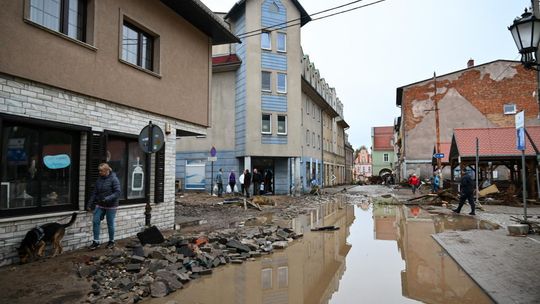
column 95, row 155
column 160, row 176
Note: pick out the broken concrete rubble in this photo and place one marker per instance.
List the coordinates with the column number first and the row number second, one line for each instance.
column 158, row 269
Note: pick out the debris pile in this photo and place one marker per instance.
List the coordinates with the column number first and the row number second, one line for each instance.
column 131, row 274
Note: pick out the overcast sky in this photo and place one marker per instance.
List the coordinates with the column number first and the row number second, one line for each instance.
column 367, row 53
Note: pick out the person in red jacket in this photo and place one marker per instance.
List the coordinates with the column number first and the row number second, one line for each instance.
column 414, row 182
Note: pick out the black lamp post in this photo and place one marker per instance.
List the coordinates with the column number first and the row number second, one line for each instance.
column 526, row 33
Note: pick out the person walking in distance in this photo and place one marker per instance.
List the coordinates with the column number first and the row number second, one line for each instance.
column 104, row 202
column 232, row 181
column 219, row 182
column 414, row 182
column 466, row 192
column 247, row 182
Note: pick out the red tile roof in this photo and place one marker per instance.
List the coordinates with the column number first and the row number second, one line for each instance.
column 493, row 141
column 382, row 138
column 232, row 58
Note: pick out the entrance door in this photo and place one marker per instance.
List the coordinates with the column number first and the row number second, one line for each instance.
column 266, row 167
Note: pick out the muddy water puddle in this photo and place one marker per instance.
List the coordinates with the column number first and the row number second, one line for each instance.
column 380, row 254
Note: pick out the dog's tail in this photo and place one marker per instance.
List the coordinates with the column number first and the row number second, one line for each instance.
column 73, row 218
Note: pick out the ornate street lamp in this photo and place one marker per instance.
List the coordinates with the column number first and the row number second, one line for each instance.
column 526, row 33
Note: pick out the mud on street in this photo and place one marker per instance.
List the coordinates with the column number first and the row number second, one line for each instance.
column 84, row 276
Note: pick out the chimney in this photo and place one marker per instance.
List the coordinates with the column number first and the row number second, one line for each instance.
column 470, row 63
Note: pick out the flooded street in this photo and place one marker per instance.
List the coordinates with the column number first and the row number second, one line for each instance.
column 380, row 254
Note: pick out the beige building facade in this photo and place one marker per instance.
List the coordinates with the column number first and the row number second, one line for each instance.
column 82, row 80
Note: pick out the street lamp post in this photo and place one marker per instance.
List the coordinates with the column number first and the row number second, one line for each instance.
column 526, row 33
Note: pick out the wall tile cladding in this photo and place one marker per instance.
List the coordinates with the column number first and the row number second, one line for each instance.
column 487, row 90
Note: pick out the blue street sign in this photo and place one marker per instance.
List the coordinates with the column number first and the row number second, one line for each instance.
column 438, row 155
column 213, row 151
column 520, row 138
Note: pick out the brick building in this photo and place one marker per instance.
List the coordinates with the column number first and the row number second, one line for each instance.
column 482, row 96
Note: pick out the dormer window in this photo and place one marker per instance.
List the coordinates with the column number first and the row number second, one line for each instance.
column 510, row 108
column 274, row 8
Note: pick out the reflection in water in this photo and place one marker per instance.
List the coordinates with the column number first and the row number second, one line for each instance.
column 430, row 275
column 389, row 257
column 307, row 272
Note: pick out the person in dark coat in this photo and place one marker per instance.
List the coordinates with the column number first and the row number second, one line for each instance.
column 466, row 193
column 268, row 181
column 104, row 202
column 232, row 181
column 247, row 181
column 256, row 179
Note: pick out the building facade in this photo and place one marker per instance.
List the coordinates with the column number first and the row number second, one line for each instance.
column 80, row 85
column 349, row 161
column 362, row 165
column 483, row 96
column 263, row 104
column 383, row 156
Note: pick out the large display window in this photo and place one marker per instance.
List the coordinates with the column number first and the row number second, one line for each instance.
column 38, row 168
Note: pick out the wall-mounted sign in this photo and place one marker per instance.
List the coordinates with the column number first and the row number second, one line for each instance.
column 59, row 161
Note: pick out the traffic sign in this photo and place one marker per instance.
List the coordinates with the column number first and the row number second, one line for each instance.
column 438, row 155
column 151, row 138
column 213, row 151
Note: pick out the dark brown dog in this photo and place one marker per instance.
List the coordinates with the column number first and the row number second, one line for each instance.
column 35, row 240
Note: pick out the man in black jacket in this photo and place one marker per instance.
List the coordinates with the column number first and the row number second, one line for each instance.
column 256, row 179
column 467, row 191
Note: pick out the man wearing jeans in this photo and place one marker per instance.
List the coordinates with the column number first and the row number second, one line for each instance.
column 104, row 201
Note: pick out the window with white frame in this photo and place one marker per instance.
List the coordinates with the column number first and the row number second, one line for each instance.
column 265, row 81
column 281, row 83
column 266, row 41
column 510, row 108
column 385, row 157
column 281, row 42
column 266, row 125
column 282, row 124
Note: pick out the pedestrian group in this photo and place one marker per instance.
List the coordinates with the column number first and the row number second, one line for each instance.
column 262, row 183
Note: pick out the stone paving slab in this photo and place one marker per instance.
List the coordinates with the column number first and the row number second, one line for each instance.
column 507, row 268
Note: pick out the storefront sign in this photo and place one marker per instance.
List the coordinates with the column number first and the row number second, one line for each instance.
column 59, row 161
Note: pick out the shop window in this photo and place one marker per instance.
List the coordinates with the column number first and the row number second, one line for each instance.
column 39, row 168
column 64, row 16
column 129, row 163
